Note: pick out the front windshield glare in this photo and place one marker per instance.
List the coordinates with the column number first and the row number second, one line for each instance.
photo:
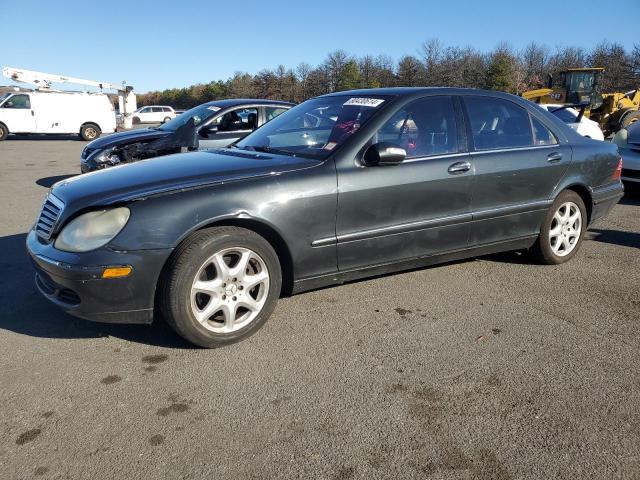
column 316, row 127
column 200, row 114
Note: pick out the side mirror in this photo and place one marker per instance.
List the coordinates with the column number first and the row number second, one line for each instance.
column 9, row 104
column 384, row 153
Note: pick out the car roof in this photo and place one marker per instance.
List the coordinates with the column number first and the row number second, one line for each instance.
column 420, row 91
column 234, row 102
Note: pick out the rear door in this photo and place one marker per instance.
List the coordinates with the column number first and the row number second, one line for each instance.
column 518, row 161
column 17, row 113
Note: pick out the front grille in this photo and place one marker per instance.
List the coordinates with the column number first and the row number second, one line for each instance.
column 49, row 216
column 86, row 152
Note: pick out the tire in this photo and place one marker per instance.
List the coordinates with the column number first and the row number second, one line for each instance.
column 89, row 131
column 166, row 119
column 560, row 236
column 135, row 120
column 4, row 131
column 218, row 313
column 630, row 118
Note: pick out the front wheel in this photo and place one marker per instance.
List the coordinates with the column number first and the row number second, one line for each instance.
column 221, row 286
column 89, row 132
column 4, row 131
column 562, row 230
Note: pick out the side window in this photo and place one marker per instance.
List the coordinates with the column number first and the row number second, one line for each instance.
column 542, row 134
column 146, row 110
column 157, row 109
column 241, row 119
column 424, row 127
column 497, row 123
column 166, row 109
column 18, row 101
column 273, row 112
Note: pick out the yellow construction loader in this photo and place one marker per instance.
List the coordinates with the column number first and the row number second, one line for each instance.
column 580, row 87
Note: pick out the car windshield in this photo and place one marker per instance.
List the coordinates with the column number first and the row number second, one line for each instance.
column 316, row 127
column 4, row 96
column 200, row 114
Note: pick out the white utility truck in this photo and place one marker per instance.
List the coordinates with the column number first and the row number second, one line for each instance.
column 47, row 111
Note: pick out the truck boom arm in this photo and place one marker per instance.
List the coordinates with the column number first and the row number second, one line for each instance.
column 45, row 80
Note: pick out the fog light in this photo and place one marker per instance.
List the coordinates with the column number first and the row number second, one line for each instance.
column 116, row 272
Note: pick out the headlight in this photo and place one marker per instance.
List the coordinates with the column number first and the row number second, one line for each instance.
column 92, row 230
column 103, row 156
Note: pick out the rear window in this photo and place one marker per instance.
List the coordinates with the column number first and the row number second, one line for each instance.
column 564, row 114
column 498, row 123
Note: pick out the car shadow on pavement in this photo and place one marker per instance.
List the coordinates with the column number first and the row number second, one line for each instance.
column 23, row 310
column 36, row 136
column 615, row 237
column 48, row 182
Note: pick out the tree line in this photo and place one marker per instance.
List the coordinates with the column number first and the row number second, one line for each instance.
column 504, row 68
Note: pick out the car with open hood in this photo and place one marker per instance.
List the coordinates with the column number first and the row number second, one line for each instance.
column 213, row 124
column 338, row 188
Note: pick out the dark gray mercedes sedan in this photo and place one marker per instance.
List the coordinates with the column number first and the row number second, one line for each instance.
column 341, row 187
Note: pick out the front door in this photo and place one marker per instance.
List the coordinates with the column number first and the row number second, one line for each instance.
column 227, row 128
column 416, row 208
column 18, row 115
column 518, row 162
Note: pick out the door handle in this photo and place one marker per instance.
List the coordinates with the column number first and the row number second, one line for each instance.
column 32, row 114
column 554, row 157
column 459, row 167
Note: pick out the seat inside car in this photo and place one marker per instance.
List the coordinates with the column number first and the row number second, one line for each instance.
column 252, row 121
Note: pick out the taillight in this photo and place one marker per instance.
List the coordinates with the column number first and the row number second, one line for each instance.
column 618, row 171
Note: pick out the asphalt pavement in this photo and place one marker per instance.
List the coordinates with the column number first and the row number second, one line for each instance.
column 493, row 368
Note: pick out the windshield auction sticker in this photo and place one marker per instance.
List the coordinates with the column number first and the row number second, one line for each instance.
column 364, row 102
column 213, row 108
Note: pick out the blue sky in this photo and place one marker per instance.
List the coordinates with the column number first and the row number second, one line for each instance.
column 155, row 45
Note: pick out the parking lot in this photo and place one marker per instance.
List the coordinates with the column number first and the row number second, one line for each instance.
column 493, row 368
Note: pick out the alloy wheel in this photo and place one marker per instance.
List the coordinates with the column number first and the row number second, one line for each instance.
column 566, row 228
column 230, row 290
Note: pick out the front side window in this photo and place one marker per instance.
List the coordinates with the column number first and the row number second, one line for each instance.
column 18, row 101
column 543, row 136
column 316, row 127
column 423, row 127
column 237, row 120
column 497, row 123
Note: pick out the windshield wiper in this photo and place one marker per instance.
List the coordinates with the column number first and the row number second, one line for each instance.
column 267, row 149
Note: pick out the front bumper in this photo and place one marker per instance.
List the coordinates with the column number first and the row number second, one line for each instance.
column 73, row 281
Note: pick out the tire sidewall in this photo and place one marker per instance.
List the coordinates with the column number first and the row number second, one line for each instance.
column 4, row 132
column 183, row 276
column 545, row 246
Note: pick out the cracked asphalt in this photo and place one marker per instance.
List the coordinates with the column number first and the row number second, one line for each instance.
column 493, row 368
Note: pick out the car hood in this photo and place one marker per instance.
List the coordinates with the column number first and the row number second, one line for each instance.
column 170, row 173
column 124, row 138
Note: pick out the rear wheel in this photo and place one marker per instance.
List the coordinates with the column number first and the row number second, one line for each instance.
column 89, row 132
column 4, row 131
column 562, row 230
column 221, row 286
column 166, row 119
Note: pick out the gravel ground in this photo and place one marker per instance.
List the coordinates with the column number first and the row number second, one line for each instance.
column 492, row 368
